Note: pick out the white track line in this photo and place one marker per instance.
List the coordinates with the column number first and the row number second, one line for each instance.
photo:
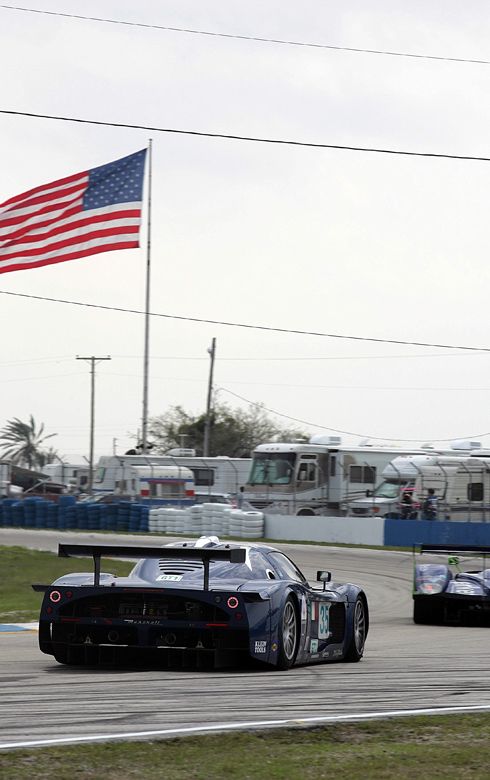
column 258, row 724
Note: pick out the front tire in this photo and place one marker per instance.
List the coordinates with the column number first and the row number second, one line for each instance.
column 288, row 635
column 355, row 650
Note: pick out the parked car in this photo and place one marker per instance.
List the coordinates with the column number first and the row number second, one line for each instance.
column 215, row 498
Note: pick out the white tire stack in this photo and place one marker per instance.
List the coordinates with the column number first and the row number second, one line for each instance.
column 207, row 520
column 211, row 520
column 249, row 525
column 195, row 519
column 153, row 520
column 235, row 523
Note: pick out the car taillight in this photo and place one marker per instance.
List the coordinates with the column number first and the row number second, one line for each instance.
column 232, row 602
column 55, row 596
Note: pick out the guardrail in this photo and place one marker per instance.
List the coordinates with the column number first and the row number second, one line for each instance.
column 222, row 520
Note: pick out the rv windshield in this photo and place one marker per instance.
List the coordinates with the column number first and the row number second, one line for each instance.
column 272, row 468
column 387, row 490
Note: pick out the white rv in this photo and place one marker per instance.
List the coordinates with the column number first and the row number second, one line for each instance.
column 135, row 476
column 314, row 478
column 460, row 485
column 211, row 476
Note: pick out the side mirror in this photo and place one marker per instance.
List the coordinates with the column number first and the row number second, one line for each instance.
column 323, row 576
column 369, row 493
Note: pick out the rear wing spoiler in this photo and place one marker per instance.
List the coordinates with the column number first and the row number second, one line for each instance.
column 204, row 554
column 464, row 549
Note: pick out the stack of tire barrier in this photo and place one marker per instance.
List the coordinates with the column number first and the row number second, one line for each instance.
column 207, row 519
column 67, row 514
column 123, row 516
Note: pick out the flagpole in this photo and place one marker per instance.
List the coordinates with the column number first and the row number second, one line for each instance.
column 144, row 426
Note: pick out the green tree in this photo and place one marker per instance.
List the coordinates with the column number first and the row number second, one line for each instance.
column 22, row 443
column 234, row 432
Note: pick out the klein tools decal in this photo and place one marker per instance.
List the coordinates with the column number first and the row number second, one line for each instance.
column 261, row 647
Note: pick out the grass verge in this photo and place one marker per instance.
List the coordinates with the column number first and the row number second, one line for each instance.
column 20, row 567
column 431, row 747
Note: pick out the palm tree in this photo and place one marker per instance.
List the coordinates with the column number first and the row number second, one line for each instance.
column 22, row 442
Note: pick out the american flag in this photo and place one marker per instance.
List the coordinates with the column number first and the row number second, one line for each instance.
column 84, row 214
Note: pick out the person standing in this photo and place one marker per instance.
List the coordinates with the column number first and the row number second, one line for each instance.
column 240, row 497
column 406, row 505
column 430, row 505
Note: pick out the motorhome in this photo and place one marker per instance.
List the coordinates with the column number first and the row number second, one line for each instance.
column 460, row 485
column 211, row 476
column 316, row 477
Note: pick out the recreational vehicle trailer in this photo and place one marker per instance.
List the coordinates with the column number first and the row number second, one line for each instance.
column 211, row 476
column 460, row 485
column 315, row 478
column 143, row 478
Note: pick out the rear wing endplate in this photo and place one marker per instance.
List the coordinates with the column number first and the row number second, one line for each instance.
column 204, row 554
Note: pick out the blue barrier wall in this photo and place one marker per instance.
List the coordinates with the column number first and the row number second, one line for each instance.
column 405, row 533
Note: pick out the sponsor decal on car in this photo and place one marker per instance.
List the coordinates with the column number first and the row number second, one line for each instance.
column 274, row 647
column 260, row 646
column 170, row 577
column 323, row 620
column 314, row 646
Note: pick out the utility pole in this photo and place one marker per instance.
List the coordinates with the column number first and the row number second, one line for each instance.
column 207, row 425
column 92, row 360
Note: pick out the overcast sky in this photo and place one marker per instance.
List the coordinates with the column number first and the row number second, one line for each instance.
column 323, row 240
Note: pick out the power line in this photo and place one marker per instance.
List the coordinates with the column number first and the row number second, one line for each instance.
column 256, row 38
column 262, row 359
column 346, row 433
column 250, row 138
column 267, row 328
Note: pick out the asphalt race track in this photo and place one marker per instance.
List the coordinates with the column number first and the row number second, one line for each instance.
column 405, row 668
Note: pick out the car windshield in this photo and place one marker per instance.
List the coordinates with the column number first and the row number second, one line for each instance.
column 274, row 468
column 387, row 490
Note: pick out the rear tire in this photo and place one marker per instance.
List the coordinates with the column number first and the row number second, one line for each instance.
column 288, row 635
column 355, row 650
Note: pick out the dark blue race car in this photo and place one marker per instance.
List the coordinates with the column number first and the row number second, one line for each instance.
column 200, row 603
column 453, row 590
